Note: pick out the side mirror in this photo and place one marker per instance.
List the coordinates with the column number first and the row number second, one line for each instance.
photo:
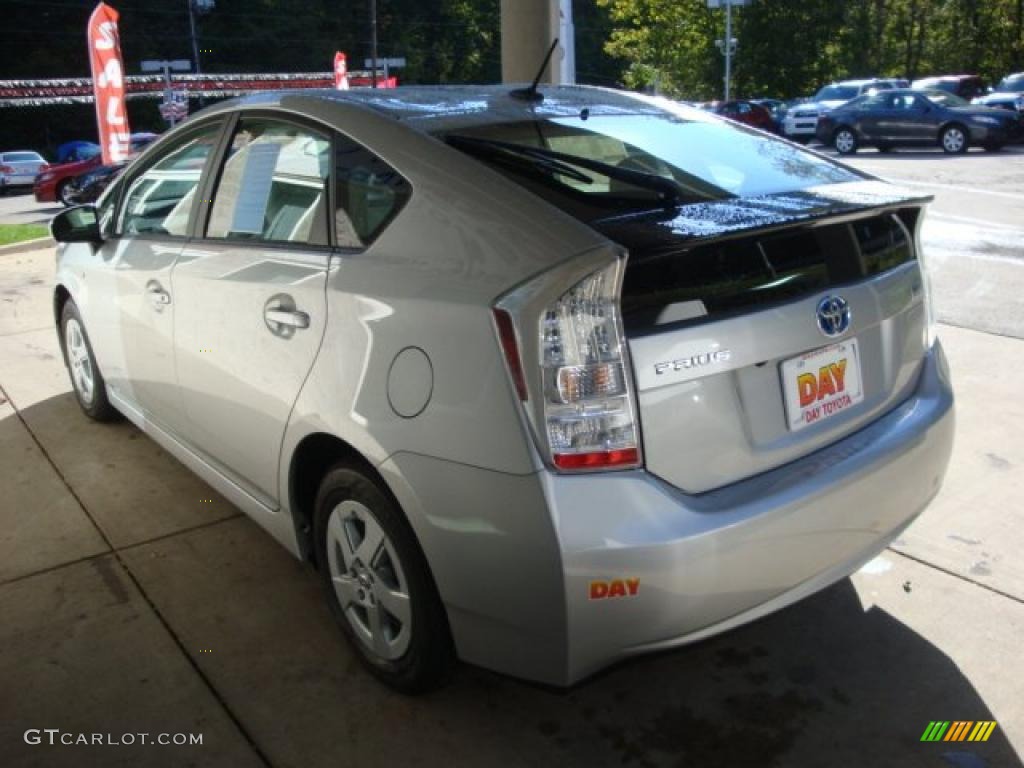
column 77, row 225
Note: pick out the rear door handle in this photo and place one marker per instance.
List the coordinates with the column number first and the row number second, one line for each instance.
column 290, row 318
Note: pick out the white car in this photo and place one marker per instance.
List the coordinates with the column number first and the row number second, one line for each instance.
column 801, row 121
column 19, row 169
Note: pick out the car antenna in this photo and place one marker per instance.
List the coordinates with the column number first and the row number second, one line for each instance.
column 531, row 93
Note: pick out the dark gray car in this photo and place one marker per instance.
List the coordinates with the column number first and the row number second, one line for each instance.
column 909, row 118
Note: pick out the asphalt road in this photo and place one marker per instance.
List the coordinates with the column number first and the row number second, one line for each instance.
column 974, row 234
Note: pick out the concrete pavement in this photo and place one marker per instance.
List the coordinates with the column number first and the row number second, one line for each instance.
column 131, row 605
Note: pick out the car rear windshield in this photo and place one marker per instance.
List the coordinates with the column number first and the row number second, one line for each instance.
column 22, row 157
column 1011, row 84
column 709, row 282
column 632, row 162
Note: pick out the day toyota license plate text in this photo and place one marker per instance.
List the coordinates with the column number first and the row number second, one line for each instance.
column 822, row 383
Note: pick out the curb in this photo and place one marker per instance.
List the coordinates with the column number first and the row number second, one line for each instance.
column 27, row 245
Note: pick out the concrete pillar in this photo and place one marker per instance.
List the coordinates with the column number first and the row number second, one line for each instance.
column 527, row 29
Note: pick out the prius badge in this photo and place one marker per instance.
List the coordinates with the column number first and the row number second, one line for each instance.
column 833, row 316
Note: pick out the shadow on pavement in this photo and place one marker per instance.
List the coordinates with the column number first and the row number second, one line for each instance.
column 823, row 683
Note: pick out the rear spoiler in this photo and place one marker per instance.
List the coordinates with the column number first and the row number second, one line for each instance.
column 723, row 219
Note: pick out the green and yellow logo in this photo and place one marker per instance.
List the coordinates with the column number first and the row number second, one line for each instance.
column 958, row 730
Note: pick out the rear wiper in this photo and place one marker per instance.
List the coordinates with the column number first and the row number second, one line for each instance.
column 668, row 190
column 498, row 149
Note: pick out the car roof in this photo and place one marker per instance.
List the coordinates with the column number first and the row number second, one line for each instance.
column 439, row 107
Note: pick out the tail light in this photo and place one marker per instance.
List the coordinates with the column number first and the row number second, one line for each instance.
column 567, row 353
column 43, row 168
column 6, row 169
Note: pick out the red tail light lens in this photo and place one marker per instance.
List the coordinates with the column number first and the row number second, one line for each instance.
column 627, row 457
column 510, row 348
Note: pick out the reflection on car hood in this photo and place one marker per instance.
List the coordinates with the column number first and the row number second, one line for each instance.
column 657, row 232
column 999, row 96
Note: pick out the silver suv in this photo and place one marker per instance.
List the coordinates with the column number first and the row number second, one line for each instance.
column 535, row 384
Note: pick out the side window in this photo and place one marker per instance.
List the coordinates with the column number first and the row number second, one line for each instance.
column 878, row 101
column 159, row 200
column 369, row 194
column 273, row 184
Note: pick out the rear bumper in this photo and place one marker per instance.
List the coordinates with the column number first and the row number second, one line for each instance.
column 16, row 181
column 710, row 562
column 514, row 556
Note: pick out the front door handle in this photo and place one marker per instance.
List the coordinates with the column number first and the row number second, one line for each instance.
column 290, row 318
column 157, row 296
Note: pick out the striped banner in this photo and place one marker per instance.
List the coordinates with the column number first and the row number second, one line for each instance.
column 958, row 730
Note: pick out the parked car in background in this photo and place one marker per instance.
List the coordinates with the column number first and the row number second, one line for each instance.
column 965, row 86
column 909, row 118
column 53, row 184
column 801, row 121
column 73, row 151
column 540, row 387
column 745, row 112
column 776, row 108
column 87, row 187
column 18, row 169
column 1009, row 94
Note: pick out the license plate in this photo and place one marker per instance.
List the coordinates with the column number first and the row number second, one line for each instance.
column 822, row 383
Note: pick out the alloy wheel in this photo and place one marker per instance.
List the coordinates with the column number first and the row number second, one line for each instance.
column 953, row 140
column 368, row 580
column 845, row 142
column 82, row 373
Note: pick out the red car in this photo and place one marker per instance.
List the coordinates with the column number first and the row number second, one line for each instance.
column 54, row 184
column 745, row 112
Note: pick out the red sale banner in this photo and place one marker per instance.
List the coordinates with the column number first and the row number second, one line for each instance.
column 108, row 84
column 340, row 71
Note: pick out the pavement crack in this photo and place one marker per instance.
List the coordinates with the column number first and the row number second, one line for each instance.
column 955, row 575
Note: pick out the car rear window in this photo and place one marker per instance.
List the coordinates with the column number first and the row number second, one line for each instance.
column 22, row 157
column 706, row 158
column 709, row 282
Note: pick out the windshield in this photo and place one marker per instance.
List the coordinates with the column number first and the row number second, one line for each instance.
column 1011, row 84
column 837, row 93
column 622, row 157
column 944, row 99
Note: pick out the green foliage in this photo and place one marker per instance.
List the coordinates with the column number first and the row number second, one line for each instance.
column 789, row 48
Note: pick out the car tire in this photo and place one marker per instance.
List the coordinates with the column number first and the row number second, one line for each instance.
column 62, row 193
column 954, row 139
column 86, row 381
column 378, row 584
column 845, row 141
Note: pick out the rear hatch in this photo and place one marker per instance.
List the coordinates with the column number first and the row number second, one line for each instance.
column 734, row 312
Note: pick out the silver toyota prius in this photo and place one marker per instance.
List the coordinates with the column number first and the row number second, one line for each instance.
column 538, row 381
